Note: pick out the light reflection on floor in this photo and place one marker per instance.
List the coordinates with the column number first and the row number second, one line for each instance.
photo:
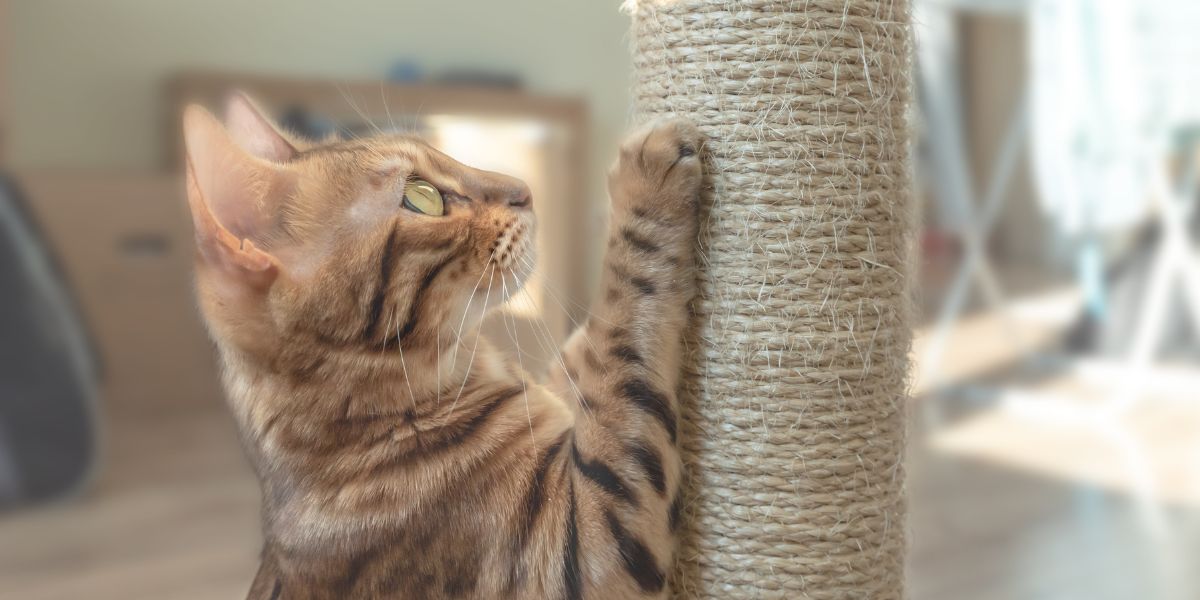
column 1045, row 492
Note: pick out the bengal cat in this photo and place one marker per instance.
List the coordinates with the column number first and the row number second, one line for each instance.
column 400, row 455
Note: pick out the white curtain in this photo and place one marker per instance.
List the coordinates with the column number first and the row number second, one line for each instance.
column 1113, row 81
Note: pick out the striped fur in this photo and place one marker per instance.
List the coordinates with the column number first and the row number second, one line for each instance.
column 401, row 455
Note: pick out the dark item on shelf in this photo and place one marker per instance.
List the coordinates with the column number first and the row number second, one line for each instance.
column 479, row 78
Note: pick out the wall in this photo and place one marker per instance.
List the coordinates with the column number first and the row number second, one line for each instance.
column 85, row 77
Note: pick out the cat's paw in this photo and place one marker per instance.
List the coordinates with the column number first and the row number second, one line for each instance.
column 659, row 169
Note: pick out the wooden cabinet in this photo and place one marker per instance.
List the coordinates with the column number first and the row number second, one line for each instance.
column 124, row 242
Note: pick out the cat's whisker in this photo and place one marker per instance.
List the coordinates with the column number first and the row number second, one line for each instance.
column 539, row 322
column 543, row 327
column 514, row 335
column 362, row 115
column 404, row 366
column 462, row 322
column 543, row 332
column 394, row 323
column 550, row 348
column 388, row 320
column 576, row 324
column 546, row 285
column 547, row 354
column 438, row 336
column 471, row 362
column 416, row 118
column 388, row 111
column 466, row 310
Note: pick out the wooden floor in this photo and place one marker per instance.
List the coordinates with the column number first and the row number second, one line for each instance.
column 174, row 515
column 1001, row 526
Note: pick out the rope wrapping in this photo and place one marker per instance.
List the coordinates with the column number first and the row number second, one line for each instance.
column 795, row 382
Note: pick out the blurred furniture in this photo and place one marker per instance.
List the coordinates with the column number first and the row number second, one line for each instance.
column 1110, row 90
column 1176, row 267
column 125, row 244
column 1099, row 137
column 48, row 370
column 1115, row 114
column 172, row 512
column 969, row 218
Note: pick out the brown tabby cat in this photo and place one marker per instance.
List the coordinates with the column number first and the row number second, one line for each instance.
column 401, row 456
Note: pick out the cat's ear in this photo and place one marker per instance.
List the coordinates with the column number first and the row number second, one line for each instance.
column 254, row 132
column 235, row 198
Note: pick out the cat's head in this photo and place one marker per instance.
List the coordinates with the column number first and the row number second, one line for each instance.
column 344, row 246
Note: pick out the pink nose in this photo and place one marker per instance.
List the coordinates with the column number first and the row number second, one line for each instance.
column 521, row 197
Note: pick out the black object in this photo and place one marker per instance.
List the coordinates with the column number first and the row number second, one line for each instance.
column 309, row 125
column 480, row 78
column 48, row 370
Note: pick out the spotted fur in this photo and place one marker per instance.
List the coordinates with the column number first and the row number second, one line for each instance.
column 400, row 455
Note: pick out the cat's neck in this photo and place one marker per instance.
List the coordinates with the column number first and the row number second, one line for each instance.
column 340, row 386
column 295, row 430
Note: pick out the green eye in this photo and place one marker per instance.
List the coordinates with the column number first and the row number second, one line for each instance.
column 420, row 196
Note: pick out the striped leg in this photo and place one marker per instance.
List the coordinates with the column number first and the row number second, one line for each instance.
column 626, row 361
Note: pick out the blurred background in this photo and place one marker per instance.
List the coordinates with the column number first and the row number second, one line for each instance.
column 1056, row 388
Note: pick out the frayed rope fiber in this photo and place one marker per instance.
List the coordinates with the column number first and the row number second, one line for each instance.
column 794, row 397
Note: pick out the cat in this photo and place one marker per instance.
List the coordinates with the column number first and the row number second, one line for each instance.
column 401, row 455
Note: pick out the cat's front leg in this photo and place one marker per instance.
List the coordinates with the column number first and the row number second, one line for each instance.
column 649, row 269
column 623, row 366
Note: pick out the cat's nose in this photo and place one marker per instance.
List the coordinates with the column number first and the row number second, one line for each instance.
column 520, row 197
column 503, row 189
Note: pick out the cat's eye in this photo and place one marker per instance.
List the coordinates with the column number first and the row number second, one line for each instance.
column 420, row 196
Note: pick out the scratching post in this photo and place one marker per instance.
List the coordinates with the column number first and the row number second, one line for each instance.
column 793, row 400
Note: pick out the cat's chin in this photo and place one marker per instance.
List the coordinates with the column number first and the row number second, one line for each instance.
column 515, row 275
column 518, row 261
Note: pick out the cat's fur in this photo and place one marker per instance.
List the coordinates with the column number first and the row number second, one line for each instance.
column 399, row 458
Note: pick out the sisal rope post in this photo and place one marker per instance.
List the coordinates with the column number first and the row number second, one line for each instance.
column 794, row 393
